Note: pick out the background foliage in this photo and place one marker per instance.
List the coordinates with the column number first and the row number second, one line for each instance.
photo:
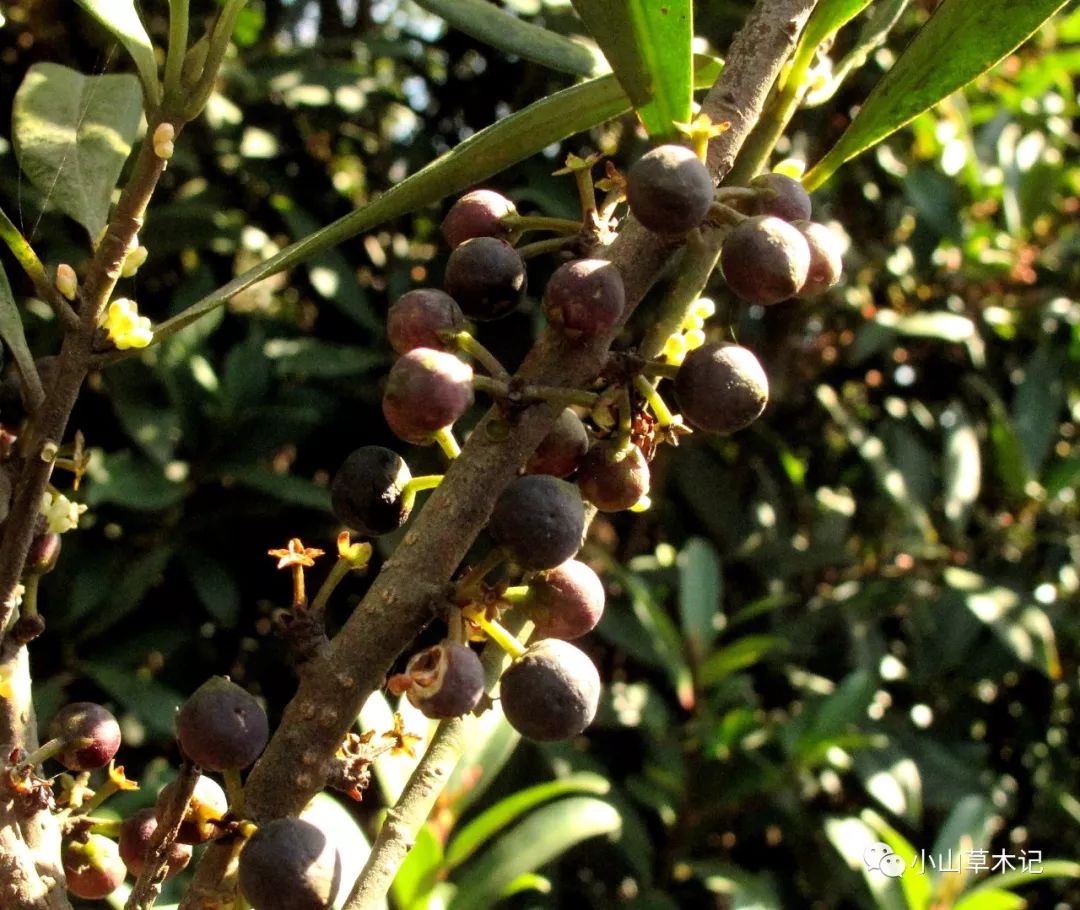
column 853, row 621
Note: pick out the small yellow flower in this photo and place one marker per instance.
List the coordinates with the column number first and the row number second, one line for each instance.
column 125, row 327
column 675, row 348
column 134, row 259
column 61, row 514
column 695, row 338
column 703, row 307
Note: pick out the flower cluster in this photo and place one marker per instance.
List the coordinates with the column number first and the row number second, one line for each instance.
column 125, row 327
column 61, row 514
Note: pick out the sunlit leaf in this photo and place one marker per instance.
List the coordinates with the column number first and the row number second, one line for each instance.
column 121, row 18
column 72, row 134
column 701, row 589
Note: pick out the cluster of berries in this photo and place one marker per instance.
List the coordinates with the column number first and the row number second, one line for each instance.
column 771, row 252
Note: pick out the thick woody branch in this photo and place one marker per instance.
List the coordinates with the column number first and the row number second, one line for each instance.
column 413, row 583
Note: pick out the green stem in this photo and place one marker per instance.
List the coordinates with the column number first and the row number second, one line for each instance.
column 516, row 594
column 625, row 420
column 220, row 37
column 45, row 751
column 663, row 415
column 660, row 370
column 759, row 146
column 447, row 442
column 468, row 344
column 497, row 633
column 414, row 486
column 725, row 193
column 107, row 827
column 29, row 605
column 24, row 253
column 234, row 788
column 103, row 792
column 174, row 61
column 338, row 571
column 586, row 191
column 469, row 584
column 522, row 223
column 540, row 247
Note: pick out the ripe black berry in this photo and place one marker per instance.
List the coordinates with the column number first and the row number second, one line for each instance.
column 367, row 493
column 416, row 319
column 765, row 260
column 781, row 196
column 551, row 691
column 447, row 680
column 825, row 262
column 561, row 450
column 221, row 726
column 486, row 277
column 426, row 391
column 613, row 478
column 584, row 298
column 565, row 602
column 208, row 805
column 90, row 733
column 289, row 864
column 135, row 835
column 92, row 866
column 669, row 190
column 539, row 520
column 721, row 388
column 477, row 214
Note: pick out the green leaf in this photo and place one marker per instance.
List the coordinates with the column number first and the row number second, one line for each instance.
column 837, row 713
column 740, row 654
column 1039, row 402
column 152, row 702
column 740, row 889
column 914, row 884
column 650, row 53
column 852, row 837
column 297, row 491
column 962, row 468
column 11, row 328
column 490, row 743
column 213, row 584
column 701, row 591
column 123, row 480
column 829, row 17
column 992, row 899
column 418, row 874
column 507, row 811
column 1051, row 868
column 121, row 18
column 311, row 358
column 126, row 593
column 72, row 135
column 968, row 827
column 492, row 25
column 962, row 39
column 540, row 838
column 143, row 407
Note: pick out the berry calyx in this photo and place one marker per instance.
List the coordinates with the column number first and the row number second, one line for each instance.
column 565, row 602
column 826, row 265
column 550, row 692
column 419, row 318
column 90, row 736
column 135, row 835
column 221, row 726
column 781, row 196
column 446, row 680
column 765, row 260
column 613, row 477
column 478, row 213
column 539, row 520
column 289, row 864
column 367, row 492
column 562, row 449
column 669, row 190
column 486, row 276
column 426, row 391
column 208, row 806
column 585, row 298
column 92, row 866
column 721, row 388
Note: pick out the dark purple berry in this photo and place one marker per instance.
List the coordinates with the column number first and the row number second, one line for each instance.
column 721, row 388
column 92, row 866
column 565, row 602
column 585, row 298
column 426, row 391
column 221, row 727
column 765, row 260
column 539, row 520
column 447, row 680
column 551, row 691
column 208, row 805
column 91, row 736
column 669, row 190
column 562, row 449
column 486, row 277
column 44, row 553
column 289, row 864
column 135, row 835
column 825, row 262
column 367, row 493
column 477, row 214
column 417, row 318
column 781, row 196
column 613, row 478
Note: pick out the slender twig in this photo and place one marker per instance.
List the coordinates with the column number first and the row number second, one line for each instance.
column 22, row 250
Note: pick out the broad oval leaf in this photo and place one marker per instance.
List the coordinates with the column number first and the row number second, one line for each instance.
column 121, row 18
column 650, row 51
column 962, row 39
column 540, row 838
column 72, row 134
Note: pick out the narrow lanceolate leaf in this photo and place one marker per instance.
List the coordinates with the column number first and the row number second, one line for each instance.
column 650, row 53
column 700, row 593
column 829, row 17
column 11, row 328
column 121, row 18
column 962, row 39
column 492, row 25
column 72, row 135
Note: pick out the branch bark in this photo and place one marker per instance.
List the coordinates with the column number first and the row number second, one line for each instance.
column 402, row 600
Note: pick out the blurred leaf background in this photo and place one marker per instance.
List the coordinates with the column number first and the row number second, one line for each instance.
column 855, row 621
